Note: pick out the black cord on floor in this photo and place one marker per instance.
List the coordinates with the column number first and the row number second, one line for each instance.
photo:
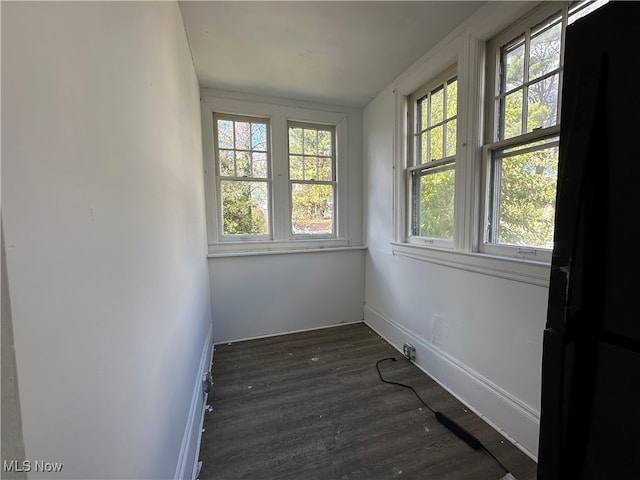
column 468, row 438
column 400, row 384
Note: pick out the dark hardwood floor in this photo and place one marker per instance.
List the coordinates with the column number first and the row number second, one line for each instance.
column 310, row 406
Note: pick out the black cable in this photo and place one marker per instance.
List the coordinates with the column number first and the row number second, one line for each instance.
column 460, row 432
column 401, row 384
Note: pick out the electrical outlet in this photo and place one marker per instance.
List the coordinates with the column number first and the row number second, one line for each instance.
column 409, row 351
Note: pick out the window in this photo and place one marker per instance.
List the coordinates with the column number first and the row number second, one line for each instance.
column 433, row 117
column 243, row 176
column 523, row 133
column 476, row 147
column 312, row 179
column 277, row 176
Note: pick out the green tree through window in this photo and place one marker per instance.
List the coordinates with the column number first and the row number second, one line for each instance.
column 243, row 173
column 523, row 177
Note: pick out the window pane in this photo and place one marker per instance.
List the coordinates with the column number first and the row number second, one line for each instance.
column 452, row 98
column 226, row 163
column 451, row 126
column 310, row 144
column 437, row 106
column 423, row 140
column 324, row 169
column 295, row 168
column 309, row 164
column 544, row 56
column 423, row 114
column 245, row 207
column 225, row 134
column 259, row 137
column 543, row 103
column 433, row 200
column 311, row 208
column 243, row 164
column 513, row 61
column 259, row 161
column 511, row 115
column 243, row 136
column 295, row 140
column 526, row 199
column 435, row 141
column 324, row 143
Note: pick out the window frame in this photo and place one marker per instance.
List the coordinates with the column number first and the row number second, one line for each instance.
column 568, row 12
column 413, row 167
column 278, row 115
column 219, row 178
column 333, row 182
column 467, row 51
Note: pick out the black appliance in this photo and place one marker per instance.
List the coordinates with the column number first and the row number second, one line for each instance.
column 590, row 409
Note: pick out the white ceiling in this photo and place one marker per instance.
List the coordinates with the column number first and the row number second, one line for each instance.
column 331, row 52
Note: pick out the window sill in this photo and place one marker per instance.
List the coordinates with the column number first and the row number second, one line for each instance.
column 245, row 249
column 519, row 270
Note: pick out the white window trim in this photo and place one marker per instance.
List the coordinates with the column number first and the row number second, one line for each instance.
column 333, row 182
column 465, row 48
column 537, row 15
column 411, row 103
column 282, row 239
column 228, row 238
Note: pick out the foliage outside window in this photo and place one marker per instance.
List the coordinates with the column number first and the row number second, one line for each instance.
column 276, row 176
column 523, row 148
column 431, row 174
column 243, row 173
column 523, row 175
column 312, row 179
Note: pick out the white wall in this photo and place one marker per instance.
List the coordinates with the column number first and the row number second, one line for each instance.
column 266, row 294
column 261, row 295
column 103, row 209
column 478, row 335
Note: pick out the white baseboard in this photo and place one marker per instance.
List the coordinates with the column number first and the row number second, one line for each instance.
column 190, row 448
column 510, row 416
column 311, row 329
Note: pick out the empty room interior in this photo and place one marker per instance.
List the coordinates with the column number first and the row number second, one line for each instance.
column 290, row 192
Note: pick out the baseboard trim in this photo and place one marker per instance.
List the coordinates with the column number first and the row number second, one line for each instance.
column 509, row 415
column 190, row 449
column 228, row 342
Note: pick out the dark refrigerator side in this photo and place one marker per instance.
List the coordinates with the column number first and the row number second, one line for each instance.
column 590, row 408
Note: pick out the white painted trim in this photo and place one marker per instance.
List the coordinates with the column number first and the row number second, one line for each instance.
column 196, row 457
column 465, row 48
column 519, row 270
column 287, row 333
column 188, row 456
column 399, row 163
column 471, row 63
column 284, row 252
column 278, row 113
column 507, row 414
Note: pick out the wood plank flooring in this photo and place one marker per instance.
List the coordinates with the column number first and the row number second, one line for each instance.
column 310, row 406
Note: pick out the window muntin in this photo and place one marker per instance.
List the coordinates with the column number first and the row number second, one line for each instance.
column 435, row 128
column 528, row 96
column 432, row 155
column 243, row 176
column 312, row 177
